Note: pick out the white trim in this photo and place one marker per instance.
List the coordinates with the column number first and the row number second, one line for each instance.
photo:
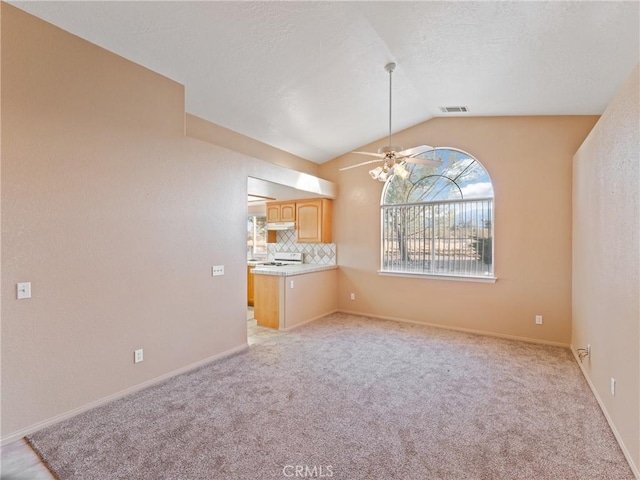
column 461, row 329
column 634, row 468
column 115, row 396
column 456, row 278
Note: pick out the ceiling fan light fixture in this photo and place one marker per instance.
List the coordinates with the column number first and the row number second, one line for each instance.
column 400, row 170
column 376, row 172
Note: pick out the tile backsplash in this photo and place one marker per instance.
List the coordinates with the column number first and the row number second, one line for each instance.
column 321, row 253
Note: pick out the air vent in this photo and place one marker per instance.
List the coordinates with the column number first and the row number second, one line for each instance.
column 454, row 109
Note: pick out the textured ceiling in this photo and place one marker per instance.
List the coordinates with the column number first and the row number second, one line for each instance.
column 308, row 77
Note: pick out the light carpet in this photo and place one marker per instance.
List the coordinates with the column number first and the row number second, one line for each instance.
column 349, row 397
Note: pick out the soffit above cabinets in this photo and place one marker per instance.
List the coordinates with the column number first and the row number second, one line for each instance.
column 261, row 191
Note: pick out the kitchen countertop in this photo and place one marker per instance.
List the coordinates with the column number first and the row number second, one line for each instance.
column 290, row 270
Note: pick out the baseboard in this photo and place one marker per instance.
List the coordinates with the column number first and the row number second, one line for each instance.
column 625, row 451
column 460, row 329
column 309, row 321
column 115, row 396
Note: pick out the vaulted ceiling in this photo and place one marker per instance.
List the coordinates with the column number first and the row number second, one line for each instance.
column 309, row 78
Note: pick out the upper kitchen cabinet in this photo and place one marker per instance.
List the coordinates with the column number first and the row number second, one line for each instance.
column 281, row 212
column 313, row 220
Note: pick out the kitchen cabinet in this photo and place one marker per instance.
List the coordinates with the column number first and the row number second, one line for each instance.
column 312, row 218
column 250, row 285
column 267, row 301
column 313, row 223
column 281, row 212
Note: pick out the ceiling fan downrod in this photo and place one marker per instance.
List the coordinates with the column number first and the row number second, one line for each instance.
column 390, row 67
column 393, row 158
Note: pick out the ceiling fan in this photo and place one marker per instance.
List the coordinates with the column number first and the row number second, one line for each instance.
column 393, row 157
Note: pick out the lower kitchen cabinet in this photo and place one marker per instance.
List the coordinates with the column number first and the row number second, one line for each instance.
column 285, row 302
column 250, row 285
column 266, row 309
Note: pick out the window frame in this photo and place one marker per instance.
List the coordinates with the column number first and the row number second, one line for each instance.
column 492, row 278
column 254, row 234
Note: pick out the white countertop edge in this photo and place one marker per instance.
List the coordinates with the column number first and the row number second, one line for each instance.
column 289, row 271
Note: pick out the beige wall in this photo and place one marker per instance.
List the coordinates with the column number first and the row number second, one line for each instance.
column 116, row 218
column 606, row 261
column 529, row 160
column 313, row 295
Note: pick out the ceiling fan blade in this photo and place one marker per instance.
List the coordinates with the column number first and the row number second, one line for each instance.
column 371, row 154
column 361, row 164
column 423, row 161
column 410, row 152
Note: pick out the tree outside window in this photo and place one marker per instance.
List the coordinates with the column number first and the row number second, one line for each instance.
column 256, row 236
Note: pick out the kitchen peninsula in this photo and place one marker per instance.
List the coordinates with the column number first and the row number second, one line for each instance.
column 290, row 295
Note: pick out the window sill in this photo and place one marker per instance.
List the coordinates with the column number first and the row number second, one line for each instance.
column 455, row 278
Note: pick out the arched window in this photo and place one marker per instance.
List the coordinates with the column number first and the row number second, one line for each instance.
column 439, row 220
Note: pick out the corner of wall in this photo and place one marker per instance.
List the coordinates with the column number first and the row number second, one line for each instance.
column 606, row 263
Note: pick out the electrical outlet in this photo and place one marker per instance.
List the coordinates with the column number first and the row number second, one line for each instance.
column 353, row 296
column 138, row 356
column 589, row 350
column 217, row 270
column 291, row 283
column 538, row 319
column 613, row 386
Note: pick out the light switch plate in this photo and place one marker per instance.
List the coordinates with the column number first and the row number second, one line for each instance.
column 138, row 355
column 24, row 290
